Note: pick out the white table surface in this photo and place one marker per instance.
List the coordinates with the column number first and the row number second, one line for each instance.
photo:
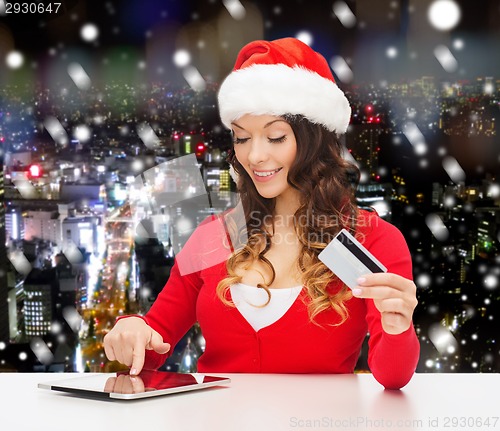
column 261, row 402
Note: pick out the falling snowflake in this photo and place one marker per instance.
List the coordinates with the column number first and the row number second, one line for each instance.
column 490, row 281
column 344, row 14
column 391, row 52
column 148, row 135
column 415, row 137
column 72, row 317
column 55, row 327
column 423, row 280
column 82, row 133
column 305, row 36
column 41, row 351
column 445, row 58
column 137, row 165
column 181, row 58
column 56, row 130
column 25, row 188
column 437, row 227
column 235, row 9
column 444, row 14
column 194, row 78
column 442, row 339
column 458, row 44
column 453, row 169
column 14, row 59
column 79, row 76
column 20, row 262
column 341, row 69
column 73, row 254
column 89, row 32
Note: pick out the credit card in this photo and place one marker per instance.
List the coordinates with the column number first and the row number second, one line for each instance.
column 348, row 259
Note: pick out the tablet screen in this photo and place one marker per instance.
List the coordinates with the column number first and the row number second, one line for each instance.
column 123, row 386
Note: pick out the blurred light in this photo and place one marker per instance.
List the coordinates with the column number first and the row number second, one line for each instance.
column 489, row 88
column 181, row 58
column 82, row 133
column 194, row 78
column 391, row 52
column 89, row 32
column 137, row 165
column 446, row 58
column 41, row 351
column 235, row 9
column 344, row 14
column 453, row 169
column 437, row 227
column 14, row 59
column 423, row 281
column 416, row 138
column 79, row 76
column 148, row 135
column 25, row 188
column 442, row 339
column 494, row 190
column 35, row 171
column 444, row 14
column 341, row 69
column 491, row 281
column 458, row 44
column 56, row 130
column 72, row 317
column 305, row 37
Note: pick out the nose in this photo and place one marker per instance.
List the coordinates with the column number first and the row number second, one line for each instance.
column 258, row 152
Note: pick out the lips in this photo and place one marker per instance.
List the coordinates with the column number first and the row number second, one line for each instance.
column 265, row 175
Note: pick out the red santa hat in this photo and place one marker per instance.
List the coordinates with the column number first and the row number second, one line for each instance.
column 281, row 77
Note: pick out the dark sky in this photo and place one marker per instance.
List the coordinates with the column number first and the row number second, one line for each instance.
column 381, row 24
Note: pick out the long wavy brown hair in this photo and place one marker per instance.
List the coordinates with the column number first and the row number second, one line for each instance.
column 327, row 184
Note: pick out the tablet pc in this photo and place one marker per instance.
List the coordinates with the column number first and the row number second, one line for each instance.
column 123, row 386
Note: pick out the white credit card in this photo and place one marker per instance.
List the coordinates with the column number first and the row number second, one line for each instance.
column 348, row 259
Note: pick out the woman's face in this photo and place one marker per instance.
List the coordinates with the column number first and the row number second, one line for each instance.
column 265, row 146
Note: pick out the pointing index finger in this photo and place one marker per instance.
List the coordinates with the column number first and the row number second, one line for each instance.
column 138, row 356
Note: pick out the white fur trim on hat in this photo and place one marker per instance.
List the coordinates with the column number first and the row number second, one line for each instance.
column 277, row 89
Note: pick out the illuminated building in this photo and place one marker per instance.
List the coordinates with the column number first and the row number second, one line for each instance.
column 39, row 304
column 4, row 314
column 81, row 232
column 44, row 225
column 376, row 196
column 14, row 224
column 364, row 140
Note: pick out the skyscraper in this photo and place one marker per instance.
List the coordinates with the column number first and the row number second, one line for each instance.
column 4, row 313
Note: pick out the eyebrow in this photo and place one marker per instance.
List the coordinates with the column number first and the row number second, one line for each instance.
column 266, row 125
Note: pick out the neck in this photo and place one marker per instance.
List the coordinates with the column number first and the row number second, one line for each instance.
column 286, row 206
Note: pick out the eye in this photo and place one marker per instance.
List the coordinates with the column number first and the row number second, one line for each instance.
column 240, row 140
column 277, row 140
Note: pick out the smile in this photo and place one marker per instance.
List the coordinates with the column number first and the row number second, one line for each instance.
column 265, row 175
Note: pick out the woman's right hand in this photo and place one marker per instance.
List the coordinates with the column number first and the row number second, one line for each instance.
column 128, row 341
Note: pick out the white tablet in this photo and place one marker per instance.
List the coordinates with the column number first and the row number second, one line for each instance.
column 122, row 386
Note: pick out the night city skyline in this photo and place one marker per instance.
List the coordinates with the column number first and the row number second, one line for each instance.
column 95, row 97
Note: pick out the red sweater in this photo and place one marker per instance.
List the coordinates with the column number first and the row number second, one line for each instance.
column 293, row 344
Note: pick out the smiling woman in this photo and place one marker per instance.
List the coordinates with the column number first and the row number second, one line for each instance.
column 273, row 306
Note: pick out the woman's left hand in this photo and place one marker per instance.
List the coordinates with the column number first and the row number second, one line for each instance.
column 394, row 296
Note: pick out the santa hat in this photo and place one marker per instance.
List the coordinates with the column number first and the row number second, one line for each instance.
column 281, row 77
